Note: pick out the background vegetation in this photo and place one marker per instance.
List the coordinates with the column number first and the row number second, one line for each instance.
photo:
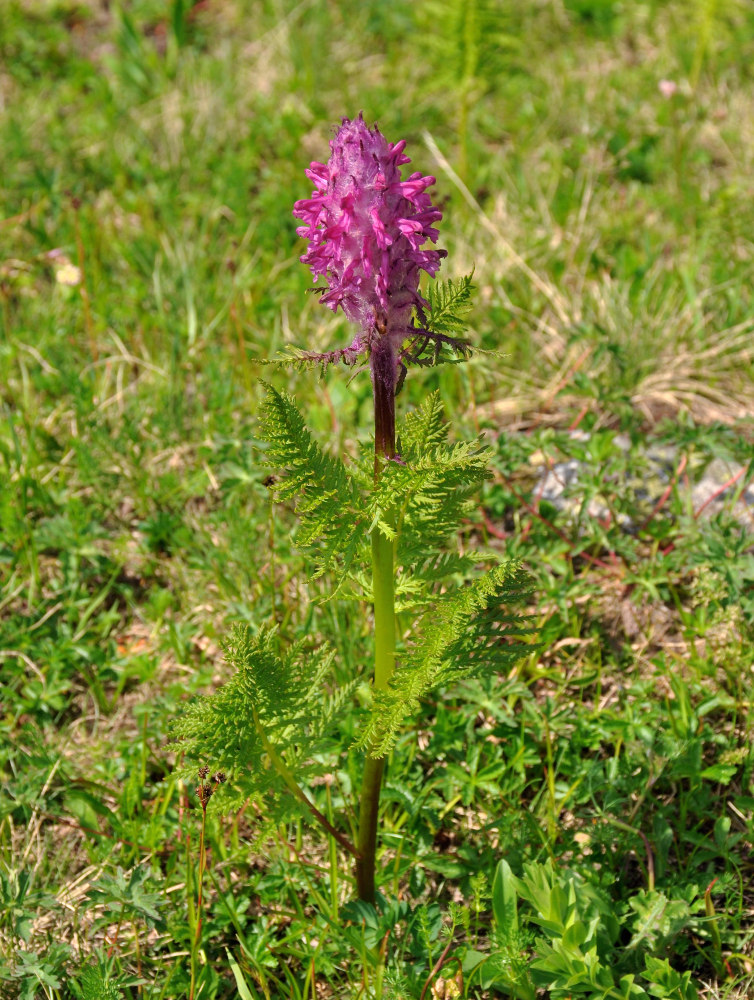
column 594, row 162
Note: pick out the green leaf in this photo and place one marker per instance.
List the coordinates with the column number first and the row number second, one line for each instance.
column 665, row 983
column 86, row 807
column 95, row 984
column 440, row 329
column 449, row 304
column 34, row 970
column 424, row 428
column 333, row 521
column 504, row 902
column 244, row 991
column 278, row 697
column 721, row 773
column 119, row 893
column 659, row 919
column 630, row 988
column 462, row 633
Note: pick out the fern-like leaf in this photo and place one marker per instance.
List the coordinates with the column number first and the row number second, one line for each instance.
column 333, row 526
column 95, row 984
column 428, row 493
column 462, row 634
column 300, row 360
column 424, row 429
column 439, row 335
column 273, row 700
column 449, row 305
column 416, row 584
column 431, row 482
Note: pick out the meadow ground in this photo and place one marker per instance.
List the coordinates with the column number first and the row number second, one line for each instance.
column 594, row 162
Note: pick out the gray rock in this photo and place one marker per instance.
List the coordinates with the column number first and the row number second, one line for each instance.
column 707, row 490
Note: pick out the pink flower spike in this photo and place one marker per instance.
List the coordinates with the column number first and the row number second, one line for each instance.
column 365, row 227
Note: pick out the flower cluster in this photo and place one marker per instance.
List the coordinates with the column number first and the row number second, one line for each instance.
column 366, row 226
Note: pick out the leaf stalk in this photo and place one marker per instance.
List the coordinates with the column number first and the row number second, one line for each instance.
column 296, row 790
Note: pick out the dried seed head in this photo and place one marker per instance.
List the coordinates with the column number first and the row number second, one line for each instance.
column 204, row 793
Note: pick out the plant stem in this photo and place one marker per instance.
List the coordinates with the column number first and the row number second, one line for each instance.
column 368, row 815
column 383, row 582
column 199, row 903
column 383, row 364
column 202, row 866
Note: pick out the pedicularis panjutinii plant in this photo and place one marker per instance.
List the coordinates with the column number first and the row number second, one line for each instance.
column 271, row 726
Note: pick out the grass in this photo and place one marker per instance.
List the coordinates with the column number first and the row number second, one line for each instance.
column 148, row 259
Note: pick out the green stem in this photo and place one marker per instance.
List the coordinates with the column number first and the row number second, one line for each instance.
column 647, row 846
column 383, row 364
column 202, row 866
column 383, row 582
column 368, row 816
column 199, row 903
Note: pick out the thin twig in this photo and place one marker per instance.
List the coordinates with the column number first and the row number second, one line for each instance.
column 436, row 968
column 663, row 499
column 561, row 534
column 577, row 420
column 647, row 847
column 718, row 492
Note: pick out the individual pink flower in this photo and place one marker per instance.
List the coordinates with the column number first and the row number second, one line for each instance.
column 668, row 88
